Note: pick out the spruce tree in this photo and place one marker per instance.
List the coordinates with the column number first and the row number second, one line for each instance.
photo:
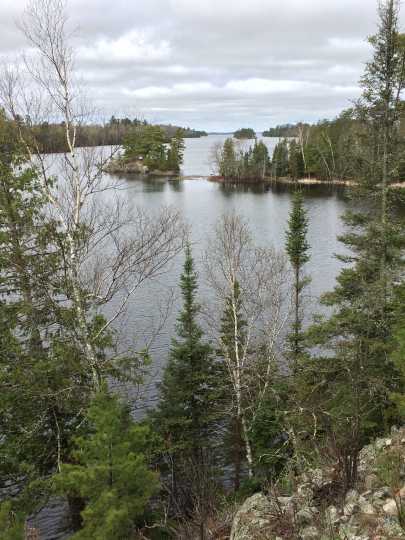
column 296, row 164
column 280, row 159
column 175, row 152
column 43, row 387
column 356, row 376
column 297, row 248
column 228, row 160
column 110, row 471
column 187, row 416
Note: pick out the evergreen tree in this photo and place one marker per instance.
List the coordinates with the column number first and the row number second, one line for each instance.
column 297, row 249
column 259, row 161
column 356, row 377
column 228, row 160
column 110, row 471
column 187, row 416
column 280, row 159
column 175, row 152
column 296, row 165
column 43, row 387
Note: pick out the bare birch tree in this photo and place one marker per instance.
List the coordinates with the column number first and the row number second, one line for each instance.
column 108, row 249
column 303, row 137
column 250, row 283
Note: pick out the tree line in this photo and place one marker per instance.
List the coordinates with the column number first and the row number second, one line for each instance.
column 50, row 136
column 253, row 391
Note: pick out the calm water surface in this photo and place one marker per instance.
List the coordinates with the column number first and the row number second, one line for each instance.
column 201, row 204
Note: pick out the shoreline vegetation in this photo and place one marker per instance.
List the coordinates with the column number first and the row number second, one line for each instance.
column 50, row 137
column 148, row 152
column 245, row 133
column 260, row 394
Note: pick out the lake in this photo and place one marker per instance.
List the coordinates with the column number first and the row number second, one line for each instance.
column 201, row 204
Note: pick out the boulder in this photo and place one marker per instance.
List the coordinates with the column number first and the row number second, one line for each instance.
column 390, row 508
column 253, row 518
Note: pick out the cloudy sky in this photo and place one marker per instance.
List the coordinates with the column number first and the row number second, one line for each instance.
column 215, row 64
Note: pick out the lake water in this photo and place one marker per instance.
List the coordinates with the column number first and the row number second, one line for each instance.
column 201, row 204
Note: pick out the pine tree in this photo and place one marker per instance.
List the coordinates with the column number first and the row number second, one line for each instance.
column 175, row 152
column 297, row 249
column 296, row 164
column 187, row 416
column 280, row 159
column 356, row 377
column 228, row 160
column 259, row 161
column 43, row 387
column 110, row 471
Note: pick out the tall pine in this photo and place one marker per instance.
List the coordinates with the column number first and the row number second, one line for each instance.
column 356, row 376
column 297, row 248
column 187, row 415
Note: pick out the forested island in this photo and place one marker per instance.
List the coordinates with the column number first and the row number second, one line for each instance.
column 148, row 151
column 245, row 133
column 285, row 130
column 268, row 422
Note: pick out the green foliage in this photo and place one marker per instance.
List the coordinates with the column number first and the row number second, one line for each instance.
column 238, row 165
column 296, row 166
column 297, row 248
column 187, row 414
column 285, row 130
column 269, row 437
column 249, row 487
column 110, row 471
column 398, row 354
column 328, row 150
column 175, row 152
column 148, row 142
column 279, row 163
column 245, row 133
column 42, row 381
column 12, row 525
column 390, row 471
column 51, row 137
column 350, row 383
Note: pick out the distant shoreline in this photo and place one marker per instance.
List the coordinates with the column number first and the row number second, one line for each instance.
column 300, row 181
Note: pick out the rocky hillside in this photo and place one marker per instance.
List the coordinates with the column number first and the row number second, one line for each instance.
column 314, row 509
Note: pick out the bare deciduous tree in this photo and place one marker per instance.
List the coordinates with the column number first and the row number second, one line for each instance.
column 250, row 287
column 108, row 249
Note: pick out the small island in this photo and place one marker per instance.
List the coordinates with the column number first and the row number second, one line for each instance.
column 245, row 133
column 147, row 151
column 286, row 130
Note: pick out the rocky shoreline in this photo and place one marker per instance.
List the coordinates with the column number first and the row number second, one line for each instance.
column 121, row 166
column 314, row 509
column 300, row 181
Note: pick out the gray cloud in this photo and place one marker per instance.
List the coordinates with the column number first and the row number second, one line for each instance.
column 216, row 64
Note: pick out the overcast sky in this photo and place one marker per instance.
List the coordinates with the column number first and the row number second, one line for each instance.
column 216, row 64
